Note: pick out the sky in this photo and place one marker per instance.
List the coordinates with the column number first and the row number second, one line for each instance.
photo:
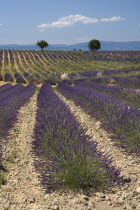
column 68, row 21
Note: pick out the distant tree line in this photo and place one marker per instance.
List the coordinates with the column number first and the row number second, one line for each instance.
column 93, row 45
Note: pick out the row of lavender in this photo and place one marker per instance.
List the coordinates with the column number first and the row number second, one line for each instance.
column 129, row 96
column 115, row 56
column 12, row 98
column 27, row 78
column 118, row 118
column 118, row 56
column 64, row 155
column 105, row 73
column 18, row 77
column 129, row 82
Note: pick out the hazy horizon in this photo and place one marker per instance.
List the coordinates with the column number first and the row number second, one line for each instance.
column 66, row 44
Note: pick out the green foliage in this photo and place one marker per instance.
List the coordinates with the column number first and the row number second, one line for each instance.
column 2, row 180
column 78, row 173
column 94, row 44
column 42, row 44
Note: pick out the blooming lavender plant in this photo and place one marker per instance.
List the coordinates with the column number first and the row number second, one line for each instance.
column 19, row 78
column 129, row 82
column 10, row 103
column 130, row 96
column 109, row 73
column 11, row 89
column 29, row 77
column 64, row 155
column 1, row 78
column 117, row 117
column 4, row 87
column 8, row 78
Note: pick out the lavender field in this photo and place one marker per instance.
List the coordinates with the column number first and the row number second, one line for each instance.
column 81, row 129
column 38, row 66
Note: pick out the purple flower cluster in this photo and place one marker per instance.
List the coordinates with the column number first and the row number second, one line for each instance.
column 19, row 78
column 11, row 100
column 11, row 57
column 1, row 78
column 64, row 155
column 9, row 90
column 129, row 82
column 5, row 57
column 39, row 77
column 110, row 73
column 105, row 56
column 130, row 96
column 4, row 87
column 119, row 119
column 29, row 77
column 114, row 56
column 8, row 78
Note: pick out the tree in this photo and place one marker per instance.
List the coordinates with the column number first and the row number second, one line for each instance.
column 94, row 44
column 42, row 44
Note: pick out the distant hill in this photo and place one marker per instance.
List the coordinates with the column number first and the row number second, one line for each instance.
column 105, row 45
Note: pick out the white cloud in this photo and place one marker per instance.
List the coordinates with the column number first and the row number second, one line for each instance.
column 69, row 21
column 73, row 19
column 1, row 24
column 112, row 19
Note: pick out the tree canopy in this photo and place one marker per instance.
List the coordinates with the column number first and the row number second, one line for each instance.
column 94, row 44
column 42, row 44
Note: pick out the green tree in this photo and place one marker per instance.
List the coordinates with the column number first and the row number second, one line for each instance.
column 42, row 44
column 94, row 44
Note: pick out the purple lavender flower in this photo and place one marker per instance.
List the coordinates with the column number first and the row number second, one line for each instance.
column 1, row 78
column 8, row 78
column 118, row 118
column 65, row 155
column 19, row 78
column 11, row 100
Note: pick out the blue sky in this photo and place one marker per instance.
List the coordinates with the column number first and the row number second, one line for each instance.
column 68, row 21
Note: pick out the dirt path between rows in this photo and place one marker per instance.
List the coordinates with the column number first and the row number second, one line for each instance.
column 23, row 190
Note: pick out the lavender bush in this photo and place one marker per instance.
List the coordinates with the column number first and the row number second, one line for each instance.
column 117, row 117
column 8, row 78
column 106, row 73
column 130, row 96
column 39, row 78
column 10, row 103
column 29, row 77
column 12, row 89
column 4, row 87
column 19, row 78
column 129, row 82
column 65, row 156
column 1, row 77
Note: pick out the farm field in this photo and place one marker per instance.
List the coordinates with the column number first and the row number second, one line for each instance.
column 75, row 144
column 26, row 66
